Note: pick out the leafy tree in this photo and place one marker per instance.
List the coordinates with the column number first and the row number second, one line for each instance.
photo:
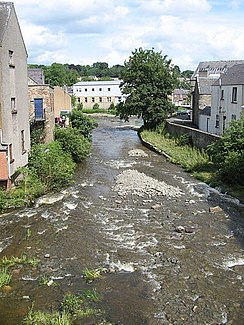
column 95, row 106
column 228, row 152
column 73, row 142
column 148, row 80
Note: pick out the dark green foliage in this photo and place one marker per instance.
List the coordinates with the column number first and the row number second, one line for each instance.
column 37, row 134
column 112, row 107
column 82, row 122
column 184, row 140
column 228, row 153
column 73, row 142
column 148, row 80
column 96, row 106
column 52, row 165
column 80, row 106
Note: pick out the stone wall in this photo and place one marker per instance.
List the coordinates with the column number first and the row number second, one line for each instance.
column 200, row 138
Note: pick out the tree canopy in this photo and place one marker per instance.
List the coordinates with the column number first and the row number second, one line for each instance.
column 148, row 80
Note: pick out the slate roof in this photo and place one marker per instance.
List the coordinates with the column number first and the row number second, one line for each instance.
column 206, row 111
column 37, row 75
column 5, row 12
column 233, row 76
column 216, row 67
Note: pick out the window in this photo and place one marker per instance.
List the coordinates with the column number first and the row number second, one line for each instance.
column 233, row 117
column 100, row 89
column 100, row 99
column 39, row 109
column 78, row 99
column 11, row 58
column 109, row 89
column 109, row 99
column 93, row 89
column 85, row 99
column 13, row 105
column 119, row 99
column 23, row 141
column 234, row 94
column 222, row 94
column 217, row 121
column 93, row 99
column 85, row 89
column 79, row 89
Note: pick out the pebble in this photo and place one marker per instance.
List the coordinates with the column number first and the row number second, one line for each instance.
column 26, row 297
column 215, row 209
column 47, row 255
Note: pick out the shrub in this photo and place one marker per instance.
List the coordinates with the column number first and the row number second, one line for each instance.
column 82, row 122
column 52, row 165
column 95, row 106
column 73, row 142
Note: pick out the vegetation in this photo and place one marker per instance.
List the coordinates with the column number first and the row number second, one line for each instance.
column 181, row 152
column 24, row 260
column 5, row 277
column 58, row 74
column 73, row 143
column 43, row 318
column 51, row 166
column 91, row 275
column 148, row 80
column 228, row 153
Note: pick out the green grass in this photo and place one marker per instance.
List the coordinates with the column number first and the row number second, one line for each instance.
column 5, row 277
column 43, row 318
column 24, row 260
column 90, row 275
column 192, row 159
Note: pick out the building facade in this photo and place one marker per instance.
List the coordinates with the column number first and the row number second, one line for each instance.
column 62, row 101
column 41, row 104
column 227, row 99
column 14, row 114
column 103, row 93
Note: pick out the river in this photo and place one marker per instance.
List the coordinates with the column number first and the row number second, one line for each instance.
column 171, row 246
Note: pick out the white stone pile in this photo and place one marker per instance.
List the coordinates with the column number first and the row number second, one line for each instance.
column 133, row 182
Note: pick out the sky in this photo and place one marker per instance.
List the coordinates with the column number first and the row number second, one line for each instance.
column 88, row 31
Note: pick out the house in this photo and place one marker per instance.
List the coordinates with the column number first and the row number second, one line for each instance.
column 180, row 97
column 41, row 104
column 104, row 93
column 62, row 101
column 14, row 114
column 227, row 99
column 202, row 79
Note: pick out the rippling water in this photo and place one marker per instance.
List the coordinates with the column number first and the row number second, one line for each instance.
column 157, row 275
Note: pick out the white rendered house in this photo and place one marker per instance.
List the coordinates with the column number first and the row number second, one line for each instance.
column 104, row 93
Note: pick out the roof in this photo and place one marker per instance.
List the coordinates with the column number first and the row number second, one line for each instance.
column 205, row 84
column 233, row 76
column 5, row 12
column 180, row 91
column 206, row 111
column 216, row 67
column 98, row 83
column 37, row 75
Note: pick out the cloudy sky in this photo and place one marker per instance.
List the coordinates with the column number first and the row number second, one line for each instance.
column 88, row 31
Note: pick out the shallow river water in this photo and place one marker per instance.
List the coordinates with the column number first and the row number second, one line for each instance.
column 170, row 258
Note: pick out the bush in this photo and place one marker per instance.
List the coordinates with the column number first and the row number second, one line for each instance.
column 228, row 153
column 82, row 122
column 73, row 142
column 52, row 165
column 95, row 106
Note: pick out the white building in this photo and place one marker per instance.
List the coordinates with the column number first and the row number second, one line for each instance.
column 101, row 92
column 227, row 99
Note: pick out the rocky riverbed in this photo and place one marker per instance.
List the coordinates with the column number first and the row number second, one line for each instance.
column 173, row 247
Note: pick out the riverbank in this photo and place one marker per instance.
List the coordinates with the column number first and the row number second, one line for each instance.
column 193, row 160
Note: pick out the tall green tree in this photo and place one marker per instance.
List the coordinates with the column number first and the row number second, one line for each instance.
column 148, row 80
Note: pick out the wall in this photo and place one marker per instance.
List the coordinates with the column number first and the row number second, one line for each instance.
column 62, row 100
column 200, row 138
column 47, row 93
column 14, row 85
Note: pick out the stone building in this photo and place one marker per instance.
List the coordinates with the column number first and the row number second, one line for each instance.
column 41, row 104
column 14, row 114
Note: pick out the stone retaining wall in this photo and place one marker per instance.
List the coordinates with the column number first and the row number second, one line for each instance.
column 200, row 138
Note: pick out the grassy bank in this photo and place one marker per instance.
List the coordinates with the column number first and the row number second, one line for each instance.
column 193, row 160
